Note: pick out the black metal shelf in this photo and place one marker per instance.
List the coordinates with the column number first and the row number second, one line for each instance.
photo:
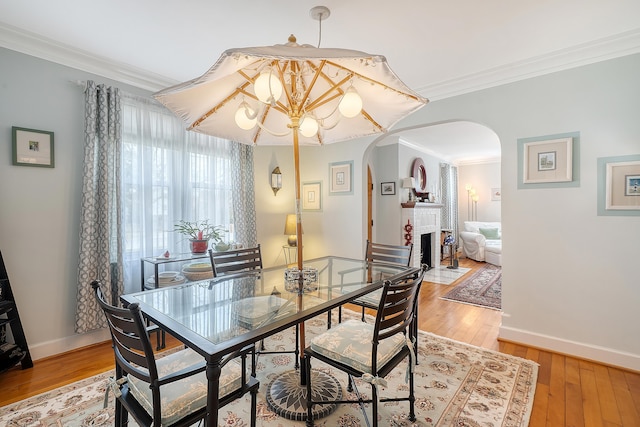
column 16, row 352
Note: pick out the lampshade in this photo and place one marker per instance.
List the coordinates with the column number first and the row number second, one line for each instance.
column 308, row 126
column 351, row 103
column 408, row 183
column 290, row 229
column 246, row 118
column 267, row 87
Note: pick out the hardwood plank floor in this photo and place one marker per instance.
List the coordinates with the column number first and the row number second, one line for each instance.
column 569, row 391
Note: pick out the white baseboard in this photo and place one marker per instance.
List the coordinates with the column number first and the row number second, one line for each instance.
column 51, row 348
column 594, row 353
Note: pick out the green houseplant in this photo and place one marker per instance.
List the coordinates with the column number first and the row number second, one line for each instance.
column 199, row 234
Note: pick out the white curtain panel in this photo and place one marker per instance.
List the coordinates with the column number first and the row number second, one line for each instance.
column 449, row 191
column 170, row 174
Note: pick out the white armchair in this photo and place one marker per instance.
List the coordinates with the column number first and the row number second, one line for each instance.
column 482, row 241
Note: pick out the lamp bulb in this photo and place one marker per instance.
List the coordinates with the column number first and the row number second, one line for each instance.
column 308, row 126
column 267, row 87
column 246, row 118
column 351, row 103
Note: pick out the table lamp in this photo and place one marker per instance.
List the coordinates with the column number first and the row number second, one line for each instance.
column 290, row 230
column 409, row 184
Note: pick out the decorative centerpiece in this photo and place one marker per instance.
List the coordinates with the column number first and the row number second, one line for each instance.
column 309, row 279
column 199, row 234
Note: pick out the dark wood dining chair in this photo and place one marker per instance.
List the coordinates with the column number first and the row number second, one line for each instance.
column 377, row 257
column 235, row 261
column 390, row 343
column 169, row 390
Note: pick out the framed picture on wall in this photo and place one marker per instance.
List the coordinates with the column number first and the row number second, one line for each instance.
column 32, row 147
column 496, row 194
column 340, row 178
column 387, row 188
column 547, row 161
column 622, row 186
column 312, row 196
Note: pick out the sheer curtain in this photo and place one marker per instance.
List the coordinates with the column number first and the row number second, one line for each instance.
column 169, row 174
column 449, row 191
column 100, row 255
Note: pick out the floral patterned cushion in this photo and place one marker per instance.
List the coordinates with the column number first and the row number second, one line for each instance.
column 350, row 343
column 187, row 395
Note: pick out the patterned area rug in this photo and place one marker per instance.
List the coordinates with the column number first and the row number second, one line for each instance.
column 482, row 288
column 456, row 385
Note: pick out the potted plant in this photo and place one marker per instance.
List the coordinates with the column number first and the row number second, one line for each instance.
column 199, row 233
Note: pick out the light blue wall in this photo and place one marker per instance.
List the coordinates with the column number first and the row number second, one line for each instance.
column 386, row 209
column 40, row 207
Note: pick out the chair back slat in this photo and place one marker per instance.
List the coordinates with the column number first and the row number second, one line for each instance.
column 132, row 347
column 397, row 304
column 235, row 261
column 128, row 354
column 389, row 254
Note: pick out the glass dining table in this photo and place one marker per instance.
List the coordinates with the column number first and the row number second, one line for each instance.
column 218, row 316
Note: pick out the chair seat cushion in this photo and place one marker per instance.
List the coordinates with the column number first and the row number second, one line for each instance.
column 187, row 395
column 350, row 343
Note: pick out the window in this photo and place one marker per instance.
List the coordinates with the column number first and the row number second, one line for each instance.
column 168, row 174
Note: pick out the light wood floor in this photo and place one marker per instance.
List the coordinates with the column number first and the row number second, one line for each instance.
column 569, row 392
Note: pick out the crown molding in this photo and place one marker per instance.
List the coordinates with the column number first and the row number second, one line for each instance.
column 41, row 47
column 622, row 44
column 483, row 161
column 619, row 45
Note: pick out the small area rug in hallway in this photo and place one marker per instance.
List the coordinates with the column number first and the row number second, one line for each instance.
column 456, row 385
column 483, row 288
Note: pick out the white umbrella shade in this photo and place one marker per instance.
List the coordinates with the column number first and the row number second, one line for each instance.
column 314, row 81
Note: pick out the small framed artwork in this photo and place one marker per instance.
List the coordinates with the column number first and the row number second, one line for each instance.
column 387, row 188
column 312, row 196
column 547, row 161
column 32, row 147
column 341, row 178
column 622, row 186
column 632, row 185
column 496, row 194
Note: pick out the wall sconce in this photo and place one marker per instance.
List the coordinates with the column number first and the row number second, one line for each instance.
column 290, row 229
column 276, row 180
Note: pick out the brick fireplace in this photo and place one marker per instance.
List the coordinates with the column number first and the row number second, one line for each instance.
column 421, row 224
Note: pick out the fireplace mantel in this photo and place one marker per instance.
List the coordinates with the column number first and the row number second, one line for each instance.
column 419, row 219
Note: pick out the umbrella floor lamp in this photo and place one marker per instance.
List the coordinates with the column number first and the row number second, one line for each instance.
column 301, row 95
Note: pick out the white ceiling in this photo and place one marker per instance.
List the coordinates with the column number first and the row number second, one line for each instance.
column 438, row 48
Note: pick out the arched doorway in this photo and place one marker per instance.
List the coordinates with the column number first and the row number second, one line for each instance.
column 465, row 144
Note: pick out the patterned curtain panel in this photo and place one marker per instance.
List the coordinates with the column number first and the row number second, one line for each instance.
column 100, row 241
column 449, row 191
column 244, row 207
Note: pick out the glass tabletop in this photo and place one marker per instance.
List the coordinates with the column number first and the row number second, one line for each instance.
column 228, row 312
